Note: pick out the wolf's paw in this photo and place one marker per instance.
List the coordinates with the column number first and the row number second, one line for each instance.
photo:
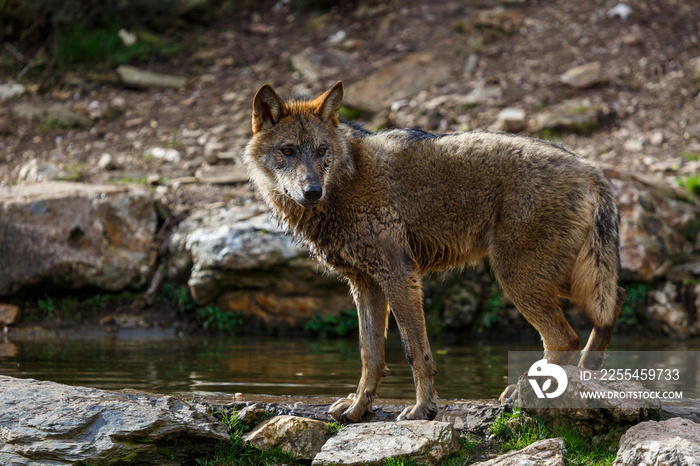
column 350, row 409
column 510, row 395
column 420, row 411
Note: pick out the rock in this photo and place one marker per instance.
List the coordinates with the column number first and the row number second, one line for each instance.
column 593, row 414
column 169, row 155
column 8, row 314
column 57, row 114
column 106, row 162
column 512, row 119
column 73, row 235
column 695, row 68
column 672, row 442
column 576, row 116
column 656, row 138
column 621, row 11
column 36, row 171
column 10, row 90
column 657, row 221
column 424, row 442
column 547, row 452
column 299, row 436
column 314, row 66
column 686, row 409
column 634, row 145
column 499, row 18
column 243, row 261
column 221, row 174
column 583, row 76
column 136, row 77
column 50, row 423
column 667, row 312
column 401, row 80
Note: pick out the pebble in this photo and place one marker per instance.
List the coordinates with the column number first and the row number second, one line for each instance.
column 7, row 91
column 656, row 139
column 105, row 162
column 169, row 155
column 634, row 145
column 512, row 119
column 620, row 10
column 581, row 77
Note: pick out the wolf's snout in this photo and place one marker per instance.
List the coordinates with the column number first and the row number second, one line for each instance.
column 313, row 192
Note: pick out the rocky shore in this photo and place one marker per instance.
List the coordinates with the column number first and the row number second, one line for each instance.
column 45, row 423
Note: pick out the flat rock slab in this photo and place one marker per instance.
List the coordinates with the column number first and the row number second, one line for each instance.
column 49, row 423
column 425, row 442
column 400, row 80
column 672, row 442
column 547, row 452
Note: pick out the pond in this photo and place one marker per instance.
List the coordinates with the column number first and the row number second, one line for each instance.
column 163, row 362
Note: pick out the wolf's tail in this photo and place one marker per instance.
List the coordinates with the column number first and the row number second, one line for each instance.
column 594, row 278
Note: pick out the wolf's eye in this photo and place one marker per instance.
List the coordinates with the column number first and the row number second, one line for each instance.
column 287, row 152
column 321, row 151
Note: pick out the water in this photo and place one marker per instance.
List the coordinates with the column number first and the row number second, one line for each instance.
column 165, row 363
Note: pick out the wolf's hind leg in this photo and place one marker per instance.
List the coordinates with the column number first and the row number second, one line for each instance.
column 373, row 314
column 598, row 341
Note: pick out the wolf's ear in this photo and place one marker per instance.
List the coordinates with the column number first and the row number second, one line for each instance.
column 267, row 108
column 329, row 103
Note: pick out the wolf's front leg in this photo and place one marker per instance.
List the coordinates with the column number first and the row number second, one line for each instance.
column 373, row 314
column 406, row 302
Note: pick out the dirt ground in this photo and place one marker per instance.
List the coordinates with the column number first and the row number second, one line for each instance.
column 647, row 83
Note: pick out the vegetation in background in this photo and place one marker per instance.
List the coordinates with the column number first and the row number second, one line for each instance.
column 79, row 45
column 342, row 325
column 691, row 183
column 636, row 300
column 209, row 317
column 492, row 309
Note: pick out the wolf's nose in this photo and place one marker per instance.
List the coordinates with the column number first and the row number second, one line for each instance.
column 312, row 192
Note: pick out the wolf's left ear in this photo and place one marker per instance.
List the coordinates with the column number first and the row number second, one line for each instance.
column 267, row 108
column 329, row 103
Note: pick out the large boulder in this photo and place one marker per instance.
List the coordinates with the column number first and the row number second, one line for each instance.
column 50, row 423
column 243, row 261
column 658, row 225
column 672, row 442
column 424, row 442
column 72, row 235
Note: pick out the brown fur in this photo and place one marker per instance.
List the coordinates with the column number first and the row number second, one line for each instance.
column 383, row 209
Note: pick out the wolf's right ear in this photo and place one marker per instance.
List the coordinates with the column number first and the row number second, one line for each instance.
column 267, row 108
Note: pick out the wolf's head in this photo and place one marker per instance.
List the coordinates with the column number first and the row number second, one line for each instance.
column 296, row 149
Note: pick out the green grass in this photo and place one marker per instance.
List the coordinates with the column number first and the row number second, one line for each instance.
column 691, row 183
column 241, row 454
column 79, row 45
column 517, row 430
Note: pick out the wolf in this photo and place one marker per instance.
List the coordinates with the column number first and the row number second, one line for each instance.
column 382, row 209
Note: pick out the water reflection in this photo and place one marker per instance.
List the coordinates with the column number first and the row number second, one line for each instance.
column 163, row 362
